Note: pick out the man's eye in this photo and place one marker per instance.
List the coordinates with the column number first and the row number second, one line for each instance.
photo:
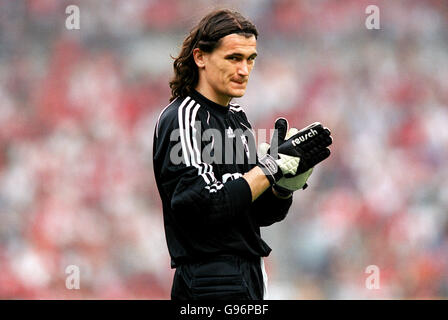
column 250, row 59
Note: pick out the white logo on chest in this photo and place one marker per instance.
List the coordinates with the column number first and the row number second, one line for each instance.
column 230, row 133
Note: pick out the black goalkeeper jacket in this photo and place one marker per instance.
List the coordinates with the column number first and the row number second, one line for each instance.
column 207, row 205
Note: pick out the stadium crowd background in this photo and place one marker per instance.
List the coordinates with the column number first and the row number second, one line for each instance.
column 77, row 114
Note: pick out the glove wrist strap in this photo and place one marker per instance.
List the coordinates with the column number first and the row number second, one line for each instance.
column 270, row 168
column 282, row 192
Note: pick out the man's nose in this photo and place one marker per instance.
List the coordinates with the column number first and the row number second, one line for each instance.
column 243, row 69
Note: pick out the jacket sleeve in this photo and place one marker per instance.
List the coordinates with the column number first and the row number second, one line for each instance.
column 269, row 209
column 211, row 203
column 190, row 186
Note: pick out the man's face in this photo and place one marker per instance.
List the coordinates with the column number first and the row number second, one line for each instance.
column 226, row 69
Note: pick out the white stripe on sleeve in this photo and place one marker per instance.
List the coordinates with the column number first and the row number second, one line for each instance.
column 190, row 149
column 181, row 129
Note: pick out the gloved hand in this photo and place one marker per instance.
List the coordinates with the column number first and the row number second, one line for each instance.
column 286, row 186
column 301, row 151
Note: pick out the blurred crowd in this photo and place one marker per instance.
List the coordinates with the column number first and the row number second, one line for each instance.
column 77, row 116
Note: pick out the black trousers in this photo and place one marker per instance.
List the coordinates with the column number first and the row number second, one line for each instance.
column 219, row 278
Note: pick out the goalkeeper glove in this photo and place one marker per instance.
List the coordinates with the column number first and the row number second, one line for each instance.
column 286, row 186
column 301, row 151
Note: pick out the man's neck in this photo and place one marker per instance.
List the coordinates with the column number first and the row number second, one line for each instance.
column 211, row 95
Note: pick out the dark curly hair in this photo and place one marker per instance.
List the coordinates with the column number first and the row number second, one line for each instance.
column 205, row 36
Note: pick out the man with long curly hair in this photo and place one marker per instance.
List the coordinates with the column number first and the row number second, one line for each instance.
column 216, row 191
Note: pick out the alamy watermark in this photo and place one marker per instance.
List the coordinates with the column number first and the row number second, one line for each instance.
column 73, row 279
column 373, row 280
column 373, row 20
column 213, row 146
column 230, row 146
column 73, row 21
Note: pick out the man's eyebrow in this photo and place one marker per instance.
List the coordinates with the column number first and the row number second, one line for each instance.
column 235, row 54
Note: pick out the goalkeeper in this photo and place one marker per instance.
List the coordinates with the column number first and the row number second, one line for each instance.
column 213, row 210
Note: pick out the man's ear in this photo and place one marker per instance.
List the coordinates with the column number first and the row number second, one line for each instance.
column 199, row 57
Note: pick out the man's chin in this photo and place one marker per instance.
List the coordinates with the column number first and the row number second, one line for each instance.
column 237, row 93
